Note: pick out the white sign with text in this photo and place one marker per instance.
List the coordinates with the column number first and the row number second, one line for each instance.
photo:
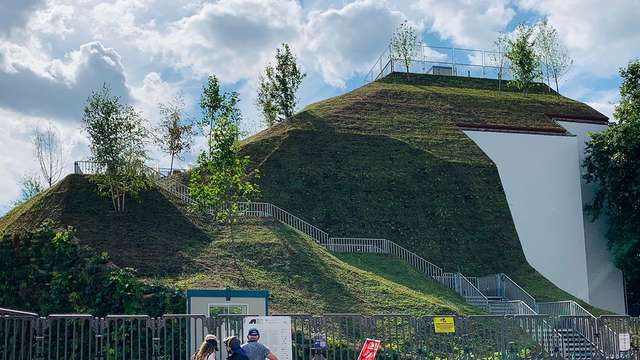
column 275, row 333
column 624, row 340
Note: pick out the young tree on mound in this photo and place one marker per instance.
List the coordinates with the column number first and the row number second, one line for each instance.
column 30, row 186
column 499, row 58
column 404, row 44
column 277, row 87
column 613, row 162
column 554, row 57
column 117, row 137
column 523, row 58
column 48, row 150
column 175, row 130
column 221, row 178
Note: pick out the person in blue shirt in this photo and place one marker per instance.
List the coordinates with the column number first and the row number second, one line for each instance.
column 256, row 350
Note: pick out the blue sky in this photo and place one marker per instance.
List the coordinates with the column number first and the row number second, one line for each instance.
column 53, row 52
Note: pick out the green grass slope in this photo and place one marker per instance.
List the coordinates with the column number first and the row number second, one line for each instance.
column 387, row 160
column 164, row 243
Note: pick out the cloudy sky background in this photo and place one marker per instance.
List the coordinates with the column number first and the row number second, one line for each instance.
column 54, row 52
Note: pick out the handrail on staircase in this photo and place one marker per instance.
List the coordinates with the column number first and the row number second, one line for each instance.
column 469, row 288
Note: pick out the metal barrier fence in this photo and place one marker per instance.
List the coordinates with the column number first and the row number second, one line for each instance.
column 402, row 336
column 443, row 61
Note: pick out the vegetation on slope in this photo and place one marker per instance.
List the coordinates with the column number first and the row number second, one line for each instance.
column 48, row 271
column 388, row 160
column 164, row 244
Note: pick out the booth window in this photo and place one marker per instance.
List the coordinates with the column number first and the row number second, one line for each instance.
column 228, row 309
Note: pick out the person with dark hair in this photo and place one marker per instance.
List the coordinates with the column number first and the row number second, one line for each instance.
column 234, row 349
column 256, row 350
column 207, row 350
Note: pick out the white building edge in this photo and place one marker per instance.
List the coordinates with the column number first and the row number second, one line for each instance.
column 541, row 174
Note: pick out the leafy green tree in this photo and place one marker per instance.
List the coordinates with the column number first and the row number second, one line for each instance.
column 278, row 86
column 175, row 130
column 30, row 186
column 613, row 163
column 404, row 44
column 554, row 57
column 117, row 139
column 221, row 178
column 523, row 58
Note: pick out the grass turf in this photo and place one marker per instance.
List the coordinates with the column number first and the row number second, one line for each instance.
column 388, row 160
column 164, row 243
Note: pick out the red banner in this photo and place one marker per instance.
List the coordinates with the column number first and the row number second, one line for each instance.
column 369, row 349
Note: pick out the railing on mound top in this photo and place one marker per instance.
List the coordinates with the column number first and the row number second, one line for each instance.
column 439, row 60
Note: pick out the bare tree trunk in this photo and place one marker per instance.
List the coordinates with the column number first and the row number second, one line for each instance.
column 171, row 166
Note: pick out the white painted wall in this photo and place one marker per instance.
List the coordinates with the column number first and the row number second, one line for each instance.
column 541, row 178
column 606, row 289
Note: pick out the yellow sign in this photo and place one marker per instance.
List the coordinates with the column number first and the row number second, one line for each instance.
column 444, row 324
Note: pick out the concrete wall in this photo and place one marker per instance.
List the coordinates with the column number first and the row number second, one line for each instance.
column 606, row 289
column 541, row 178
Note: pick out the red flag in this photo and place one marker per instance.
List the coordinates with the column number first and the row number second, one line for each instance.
column 369, row 349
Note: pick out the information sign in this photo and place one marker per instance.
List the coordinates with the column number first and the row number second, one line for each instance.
column 275, row 333
column 444, row 324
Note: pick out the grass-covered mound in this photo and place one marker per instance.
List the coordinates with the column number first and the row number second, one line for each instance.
column 48, row 271
column 388, row 160
column 169, row 248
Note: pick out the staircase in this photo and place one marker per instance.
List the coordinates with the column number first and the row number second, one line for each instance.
column 496, row 294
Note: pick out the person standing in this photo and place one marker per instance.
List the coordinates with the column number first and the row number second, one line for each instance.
column 234, row 349
column 207, row 350
column 256, row 350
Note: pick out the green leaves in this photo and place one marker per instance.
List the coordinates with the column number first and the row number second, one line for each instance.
column 523, row 58
column 220, row 179
column 613, row 163
column 117, row 137
column 47, row 271
column 404, row 44
column 277, row 87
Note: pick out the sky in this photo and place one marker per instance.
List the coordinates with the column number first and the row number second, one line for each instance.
column 53, row 53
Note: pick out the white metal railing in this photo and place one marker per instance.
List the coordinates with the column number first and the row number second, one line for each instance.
column 502, row 286
column 563, row 308
column 435, row 59
column 511, row 307
column 513, row 291
column 460, row 284
column 468, row 288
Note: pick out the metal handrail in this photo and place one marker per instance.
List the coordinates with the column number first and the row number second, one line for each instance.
column 513, row 291
column 485, row 61
column 563, row 308
column 467, row 287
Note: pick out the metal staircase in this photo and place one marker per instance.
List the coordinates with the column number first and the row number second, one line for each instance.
column 496, row 294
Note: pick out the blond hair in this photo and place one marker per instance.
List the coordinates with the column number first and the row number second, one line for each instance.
column 207, row 348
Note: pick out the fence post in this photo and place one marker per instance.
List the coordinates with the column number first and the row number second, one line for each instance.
column 39, row 324
column 100, row 326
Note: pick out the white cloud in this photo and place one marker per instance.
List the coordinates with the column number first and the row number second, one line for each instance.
column 58, row 88
column 600, row 36
column 15, row 13
column 231, row 38
column 342, row 42
column 16, row 133
column 469, row 23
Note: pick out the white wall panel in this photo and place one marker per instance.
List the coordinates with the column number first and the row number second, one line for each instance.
column 541, row 178
column 606, row 289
